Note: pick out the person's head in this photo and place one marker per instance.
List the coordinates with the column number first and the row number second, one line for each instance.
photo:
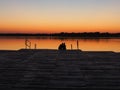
column 62, row 44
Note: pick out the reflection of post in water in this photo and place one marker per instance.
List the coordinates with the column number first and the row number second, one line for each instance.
column 77, row 44
column 27, row 44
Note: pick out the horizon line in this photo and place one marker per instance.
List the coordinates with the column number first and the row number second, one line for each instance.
column 59, row 33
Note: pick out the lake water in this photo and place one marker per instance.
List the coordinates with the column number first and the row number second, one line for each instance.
column 15, row 43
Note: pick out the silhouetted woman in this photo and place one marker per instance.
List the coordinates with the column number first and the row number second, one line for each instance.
column 62, row 46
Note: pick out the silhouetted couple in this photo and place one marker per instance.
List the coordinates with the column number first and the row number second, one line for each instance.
column 62, row 46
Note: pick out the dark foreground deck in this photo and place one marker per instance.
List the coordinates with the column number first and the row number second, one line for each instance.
column 52, row 69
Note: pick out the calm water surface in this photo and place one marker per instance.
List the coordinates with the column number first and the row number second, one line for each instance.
column 15, row 43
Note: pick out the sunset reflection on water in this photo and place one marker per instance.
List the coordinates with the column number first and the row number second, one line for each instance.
column 15, row 43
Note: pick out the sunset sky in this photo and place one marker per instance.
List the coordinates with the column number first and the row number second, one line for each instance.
column 51, row 16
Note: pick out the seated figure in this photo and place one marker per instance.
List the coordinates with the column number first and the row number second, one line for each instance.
column 62, row 46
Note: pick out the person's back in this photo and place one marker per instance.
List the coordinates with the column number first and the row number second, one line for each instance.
column 62, row 46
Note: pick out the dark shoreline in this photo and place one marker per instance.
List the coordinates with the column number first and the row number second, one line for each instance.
column 56, row 37
column 68, row 35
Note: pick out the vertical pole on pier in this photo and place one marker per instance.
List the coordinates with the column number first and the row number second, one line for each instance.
column 71, row 47
column 77, row 45
column 35, row 46
column 29, row 45
column 26, row 43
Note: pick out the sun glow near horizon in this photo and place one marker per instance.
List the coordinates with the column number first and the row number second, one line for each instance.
column 50, row 16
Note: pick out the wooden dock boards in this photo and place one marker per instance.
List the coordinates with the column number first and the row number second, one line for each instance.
column 52, row 69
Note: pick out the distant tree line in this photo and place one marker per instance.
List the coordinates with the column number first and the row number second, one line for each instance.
column 88, row 34
column 64, row 34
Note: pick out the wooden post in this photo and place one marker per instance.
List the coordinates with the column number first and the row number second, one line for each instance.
column 25, row 43
column 77, row 44
column 71, row 47
column 29, row 44
column 35, row 46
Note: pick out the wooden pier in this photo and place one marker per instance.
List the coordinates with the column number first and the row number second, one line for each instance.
column 53, row 69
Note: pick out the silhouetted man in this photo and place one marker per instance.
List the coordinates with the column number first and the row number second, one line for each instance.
column 62, row 46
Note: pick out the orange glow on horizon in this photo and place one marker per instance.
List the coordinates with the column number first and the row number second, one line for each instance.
column 52, row 26
column 56, row 27
column 46, row 16
column 55, row 30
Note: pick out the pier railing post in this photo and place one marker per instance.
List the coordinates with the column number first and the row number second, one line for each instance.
column 71, row 47
column 77, row 45
column 35, row 46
